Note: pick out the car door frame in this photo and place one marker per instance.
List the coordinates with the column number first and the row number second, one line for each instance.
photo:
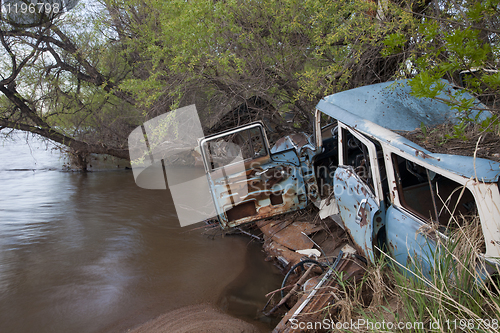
column 354, row 199
column 292, row 193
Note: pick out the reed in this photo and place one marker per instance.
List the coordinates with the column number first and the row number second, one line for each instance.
column 460, row 294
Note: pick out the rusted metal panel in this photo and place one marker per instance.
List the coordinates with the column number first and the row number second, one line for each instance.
column 244, row 209
column 286, row 257
column 357, row 208
column 289, row 234
column 246, row 188
column 292, row 141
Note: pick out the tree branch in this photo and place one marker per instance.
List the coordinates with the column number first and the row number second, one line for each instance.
column 76, row 145
column 453, row 22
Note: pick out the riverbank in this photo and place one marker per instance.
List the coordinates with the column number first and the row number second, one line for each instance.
column 233, row 304
column 196, row 318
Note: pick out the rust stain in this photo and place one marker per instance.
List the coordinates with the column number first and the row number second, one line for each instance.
column 358, row 248
column 289, row 234
column 363, row 190
column 275, row 249
column 242, row 210
column 363, row 221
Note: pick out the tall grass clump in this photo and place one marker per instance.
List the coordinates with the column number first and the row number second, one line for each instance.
column 460, row 293
column 367, row 302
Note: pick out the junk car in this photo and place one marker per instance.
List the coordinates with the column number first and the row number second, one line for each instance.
column 384, row 190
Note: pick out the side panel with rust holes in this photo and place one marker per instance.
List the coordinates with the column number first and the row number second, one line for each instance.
column 357, row 207
column 408, row 243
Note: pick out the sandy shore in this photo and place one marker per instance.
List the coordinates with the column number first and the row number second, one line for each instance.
column 195, row 318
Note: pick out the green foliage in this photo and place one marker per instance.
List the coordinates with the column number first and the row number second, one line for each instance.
column 458, row 42
column 456, row 295
column 394, row 43
column 64, row 76
column 423, row 129
column 291, row 53
column 164, row 54
column 458, row 131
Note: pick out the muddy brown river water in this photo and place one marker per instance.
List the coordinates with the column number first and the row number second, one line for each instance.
column 95, row 253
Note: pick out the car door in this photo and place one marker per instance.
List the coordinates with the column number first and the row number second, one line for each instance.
column 357, row 188
column 246, row 180
column 428, row 204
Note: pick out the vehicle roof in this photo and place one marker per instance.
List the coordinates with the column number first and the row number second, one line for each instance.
column 379, row 110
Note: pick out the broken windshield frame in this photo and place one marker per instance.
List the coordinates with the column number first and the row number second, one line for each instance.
column 254, row 145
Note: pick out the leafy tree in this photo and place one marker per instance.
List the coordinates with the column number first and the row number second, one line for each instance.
column 59, row 80
column 87, row 80
column 457, row 41
column 291, row 53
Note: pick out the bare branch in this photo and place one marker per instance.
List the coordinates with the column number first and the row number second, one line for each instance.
column 454, row 22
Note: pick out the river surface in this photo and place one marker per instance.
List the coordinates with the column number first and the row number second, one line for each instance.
column 95, row 253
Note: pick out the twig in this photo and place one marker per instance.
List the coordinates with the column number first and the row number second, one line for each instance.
column 452, row 22
column 277, row 290
column 294, row 289
column 249, row 234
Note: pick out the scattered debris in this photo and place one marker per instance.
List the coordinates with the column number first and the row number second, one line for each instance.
column 311, row 274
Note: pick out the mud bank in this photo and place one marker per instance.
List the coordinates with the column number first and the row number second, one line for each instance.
column 233, row 304
column 195, row 318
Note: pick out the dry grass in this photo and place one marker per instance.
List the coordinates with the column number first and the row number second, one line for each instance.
column 457, row 294
column 468, row 233
column 440, row 139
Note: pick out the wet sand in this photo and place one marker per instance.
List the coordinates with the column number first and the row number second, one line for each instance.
column 236, row 296
column 195, row 318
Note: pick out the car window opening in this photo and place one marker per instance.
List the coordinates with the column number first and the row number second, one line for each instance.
column 435, row 198
column 356, row 155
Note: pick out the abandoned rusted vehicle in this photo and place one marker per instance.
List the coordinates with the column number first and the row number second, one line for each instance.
column 249, row 181
column 385, row 191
